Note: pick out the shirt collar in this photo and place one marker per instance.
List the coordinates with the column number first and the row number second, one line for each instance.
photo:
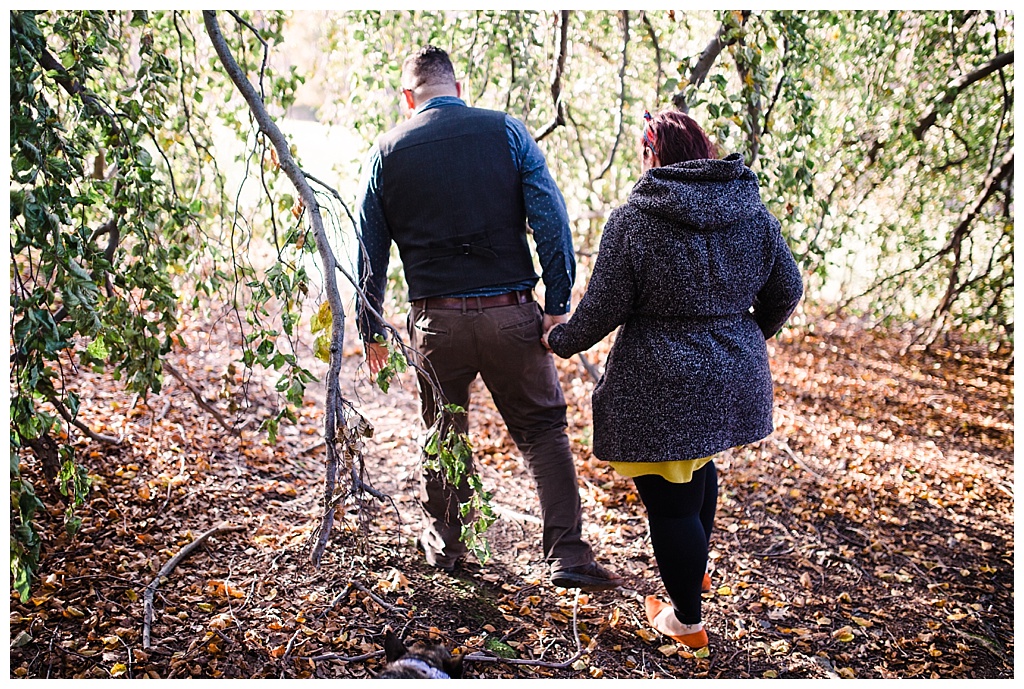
column 439, row 102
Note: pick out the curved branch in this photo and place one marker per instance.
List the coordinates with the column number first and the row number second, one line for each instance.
column 556, row 78
column 67, row 416
column 704, row 63
column 753, row 109
column 199, row 398
column 659, row 72
column 473, row 657
column 327, row 257
column 579, row 142
column 624, row 21
column 167, row 569
column 962, row 229
column 956, row 238
column 953, row 89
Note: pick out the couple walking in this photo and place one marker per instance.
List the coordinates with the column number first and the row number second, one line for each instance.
column 692, row 268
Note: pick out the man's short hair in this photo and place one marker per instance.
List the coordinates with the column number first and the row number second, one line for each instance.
column 428, row 66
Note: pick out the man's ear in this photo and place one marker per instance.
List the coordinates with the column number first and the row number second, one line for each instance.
column 409, row 99
column 458, row 89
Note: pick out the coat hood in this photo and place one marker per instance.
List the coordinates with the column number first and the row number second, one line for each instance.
column 705, row 195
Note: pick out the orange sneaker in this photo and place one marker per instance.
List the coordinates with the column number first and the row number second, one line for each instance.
column 656, row 611
column 705, row 584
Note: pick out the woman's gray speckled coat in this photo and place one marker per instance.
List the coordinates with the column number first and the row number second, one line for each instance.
column 696, row 271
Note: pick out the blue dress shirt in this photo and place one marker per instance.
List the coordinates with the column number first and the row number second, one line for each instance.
column 545, row 212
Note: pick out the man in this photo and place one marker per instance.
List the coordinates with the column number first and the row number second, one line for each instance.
column 454, row 187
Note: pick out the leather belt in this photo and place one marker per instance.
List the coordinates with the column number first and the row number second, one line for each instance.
column 474, row 303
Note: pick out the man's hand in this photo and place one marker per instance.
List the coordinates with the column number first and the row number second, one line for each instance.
column 376, row 356
column 551, row 321
column 548, row 323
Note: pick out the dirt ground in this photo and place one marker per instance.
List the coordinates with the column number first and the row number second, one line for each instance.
column 870, row 536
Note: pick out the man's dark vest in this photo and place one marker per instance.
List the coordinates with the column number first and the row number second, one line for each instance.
column 453, row 199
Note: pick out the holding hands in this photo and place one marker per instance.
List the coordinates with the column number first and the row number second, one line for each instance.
column 549, row 324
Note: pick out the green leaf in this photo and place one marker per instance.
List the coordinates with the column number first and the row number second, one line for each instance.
column 98, row 349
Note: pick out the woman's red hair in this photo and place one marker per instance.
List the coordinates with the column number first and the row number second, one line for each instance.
column 677, row 138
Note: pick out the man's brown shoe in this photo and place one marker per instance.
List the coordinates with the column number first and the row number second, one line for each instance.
column 589, row 577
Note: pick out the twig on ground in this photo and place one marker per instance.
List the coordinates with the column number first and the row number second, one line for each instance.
column 70, row 418
column 595, row 375
column 168, row 568
column 512, row 514
column 472, row 657
column 288, row 651
column 199, row 398
column 345, row 659
column 337, row 599
column 163, row 412
column 377, row 599
column 785, row 446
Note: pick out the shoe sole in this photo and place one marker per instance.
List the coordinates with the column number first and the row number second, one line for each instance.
column 587, row 584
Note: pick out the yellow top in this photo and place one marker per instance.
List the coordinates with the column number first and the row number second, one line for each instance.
column 679, row 471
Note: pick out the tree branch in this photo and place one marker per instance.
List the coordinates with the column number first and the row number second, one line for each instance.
column 956, row 237
column 659, row 72
column 753, row 109
column 962, row 230
column 66, row 415
column 624, row 22
column 328, row 260
column 199, row 398
column 556, row 78
column 147, row 622
column 706, row 60
column 953, row 89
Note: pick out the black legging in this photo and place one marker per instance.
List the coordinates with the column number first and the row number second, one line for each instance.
column 681, row 516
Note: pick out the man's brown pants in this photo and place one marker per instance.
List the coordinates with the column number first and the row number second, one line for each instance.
column 501, row 344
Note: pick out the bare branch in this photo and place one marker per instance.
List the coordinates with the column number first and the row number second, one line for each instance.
column 962, row 230
column 956, row 237
column 753, row 110
column 953, row 89
column 591, row 369
column 328, row 260
column 624, row 22
column 659, row 72
column 168, row 568
column 200, row 400
column 67, row 416
column 556, row 78
column 706, row 60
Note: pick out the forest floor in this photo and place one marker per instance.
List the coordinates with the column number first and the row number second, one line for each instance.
column 870, row 536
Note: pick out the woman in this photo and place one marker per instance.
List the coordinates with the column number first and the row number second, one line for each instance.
column 696, row 271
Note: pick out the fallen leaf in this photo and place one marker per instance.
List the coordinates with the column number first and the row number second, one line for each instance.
column 843, row 634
